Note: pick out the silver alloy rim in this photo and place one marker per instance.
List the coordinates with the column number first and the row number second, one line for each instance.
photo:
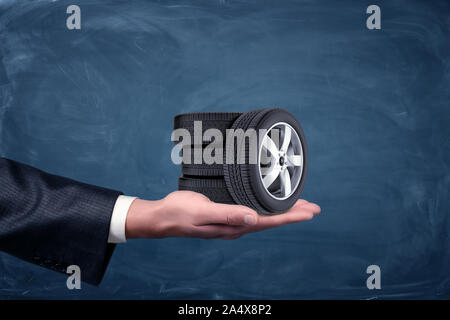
column 280, row 161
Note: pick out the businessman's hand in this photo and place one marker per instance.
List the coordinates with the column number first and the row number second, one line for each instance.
column 190, row 214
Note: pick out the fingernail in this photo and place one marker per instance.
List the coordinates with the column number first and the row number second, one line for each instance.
column 250, row 220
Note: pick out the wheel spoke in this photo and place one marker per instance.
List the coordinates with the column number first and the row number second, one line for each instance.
column 270, row 146
column 295, row 161
column 285, row 183
column 286, row 139
column 272, row 174
column 281, row 160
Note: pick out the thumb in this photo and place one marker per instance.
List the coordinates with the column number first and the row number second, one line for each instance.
column 234, row 215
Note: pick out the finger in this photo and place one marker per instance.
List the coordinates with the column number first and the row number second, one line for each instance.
column 232, row 237
column 308, row 206
column 301, row 202
column 218, row 231
column 293, row 216
column 228, row 214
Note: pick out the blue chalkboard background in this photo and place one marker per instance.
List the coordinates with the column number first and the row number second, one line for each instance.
column 97, row 105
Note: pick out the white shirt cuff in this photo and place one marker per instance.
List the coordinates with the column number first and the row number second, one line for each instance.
column 118, row 219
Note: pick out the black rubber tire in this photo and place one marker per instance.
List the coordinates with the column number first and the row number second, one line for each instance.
column 215, row 189
column 243, row 180
column 202, row 170
column 216, row 120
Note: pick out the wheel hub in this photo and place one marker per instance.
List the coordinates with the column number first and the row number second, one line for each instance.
column 282, row 175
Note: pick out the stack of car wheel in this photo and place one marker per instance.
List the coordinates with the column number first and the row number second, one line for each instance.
column 269, row 187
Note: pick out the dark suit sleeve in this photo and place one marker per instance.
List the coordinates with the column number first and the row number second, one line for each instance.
column 54, row 221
